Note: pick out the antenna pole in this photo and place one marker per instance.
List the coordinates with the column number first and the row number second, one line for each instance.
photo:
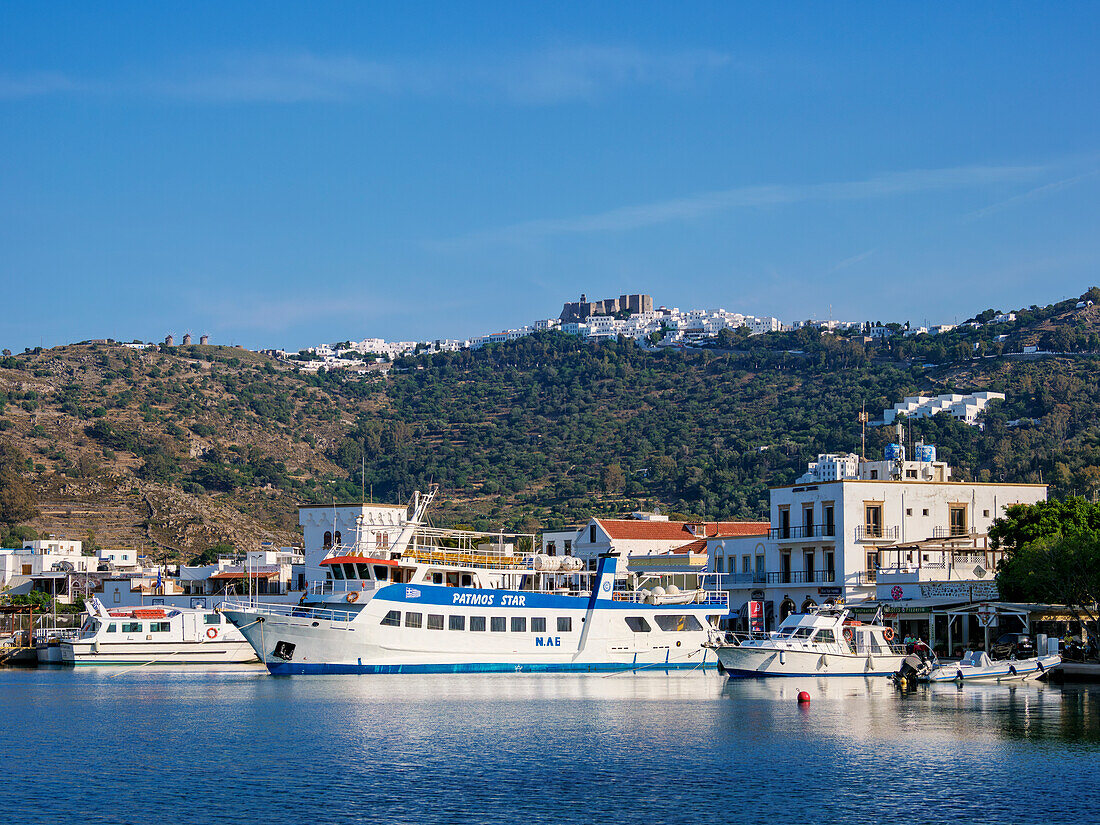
column 863, row 428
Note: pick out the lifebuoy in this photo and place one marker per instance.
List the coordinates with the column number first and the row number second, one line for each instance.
column 351, row 597
column 888, row 634
column 211, row 633
column 848, row 635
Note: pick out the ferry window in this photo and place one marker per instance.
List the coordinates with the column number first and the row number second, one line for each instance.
column 363, row 569
column 349, row 570
column 131, row 627
column 337, row 572
column 381, row 573
column 414, row 619
column 160, row 627
column 519, row 624
column 456, row 622
column 637, row 624
column 477, row 623
column 211, row 618
column 328, row 539
column 498, row 624
column 435, row 621
column 452, row 580
column 437, row 578
column 467, row 580
column 565, row 624
column 538, row 624
column 803, row 632
column 337, row 542
column 825, row 635
column 111, row 627
column 678, row 623
column 392, row 619
column 924, row 511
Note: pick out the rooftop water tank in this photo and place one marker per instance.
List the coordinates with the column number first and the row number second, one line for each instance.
column 895, row 452
column 926, row 453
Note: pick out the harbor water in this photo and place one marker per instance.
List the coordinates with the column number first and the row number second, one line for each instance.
column 144, row 745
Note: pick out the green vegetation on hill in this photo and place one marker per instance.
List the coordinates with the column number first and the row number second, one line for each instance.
column 189, row 447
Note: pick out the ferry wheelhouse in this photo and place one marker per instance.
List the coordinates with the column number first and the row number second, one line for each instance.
column 826, row 642
column 453, row 601
column 165, row 635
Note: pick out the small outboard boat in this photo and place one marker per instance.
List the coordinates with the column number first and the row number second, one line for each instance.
column 975, row 666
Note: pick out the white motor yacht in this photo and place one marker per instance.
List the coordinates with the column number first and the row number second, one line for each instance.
column 825, row 642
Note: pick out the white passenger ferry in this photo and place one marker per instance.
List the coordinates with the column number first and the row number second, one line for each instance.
column 823, row 643
column 449, row 601
column 164, row 635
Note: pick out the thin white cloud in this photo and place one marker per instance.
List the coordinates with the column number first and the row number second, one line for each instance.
column 545, row 76
column 627, row 218
column 1037, row 192
column 852, row 261
column 37, row 84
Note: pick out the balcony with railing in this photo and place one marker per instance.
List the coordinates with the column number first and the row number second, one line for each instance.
column 800, row 532
column 802, row 577
column 741, row 579
column 955, row 531
column 875, row 532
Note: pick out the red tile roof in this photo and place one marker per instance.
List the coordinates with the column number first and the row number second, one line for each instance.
column 623, row 528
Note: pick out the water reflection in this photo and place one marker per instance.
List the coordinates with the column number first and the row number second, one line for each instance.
column 236, row 745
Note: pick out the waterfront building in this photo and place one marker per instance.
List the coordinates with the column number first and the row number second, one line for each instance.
column 647, row 534
column 829, row 540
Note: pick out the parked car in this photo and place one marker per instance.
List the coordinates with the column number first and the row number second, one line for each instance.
column 1012, row 646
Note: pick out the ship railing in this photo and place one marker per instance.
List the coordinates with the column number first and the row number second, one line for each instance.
column 709, row 597
column 456, row 558
column 292, row 611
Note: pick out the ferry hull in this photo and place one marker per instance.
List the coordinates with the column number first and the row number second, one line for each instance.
column 755, row 662
column 345, row 648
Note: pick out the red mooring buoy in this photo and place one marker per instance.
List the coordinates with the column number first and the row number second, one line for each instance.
column 803, row 697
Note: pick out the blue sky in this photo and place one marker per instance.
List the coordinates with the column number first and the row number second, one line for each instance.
column 284, row 174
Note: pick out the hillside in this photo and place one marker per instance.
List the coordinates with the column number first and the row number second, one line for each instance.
column 177, row 449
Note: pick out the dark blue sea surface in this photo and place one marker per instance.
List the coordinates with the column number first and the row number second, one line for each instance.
column 178, row 745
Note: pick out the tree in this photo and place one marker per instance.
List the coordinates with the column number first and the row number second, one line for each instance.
column 612, row 477
column 17, row 499
column 1052, row 555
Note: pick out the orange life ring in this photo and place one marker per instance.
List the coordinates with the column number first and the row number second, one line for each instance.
column 351, row 597
column 211, row 633
column 848, row 634
column 888, row 634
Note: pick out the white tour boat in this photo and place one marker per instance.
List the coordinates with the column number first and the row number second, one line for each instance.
column 449, row 601
column 164, row 635
column 823, row 643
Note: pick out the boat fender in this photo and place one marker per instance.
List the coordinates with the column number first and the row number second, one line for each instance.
column 1012, row 670
column 1039, row 665
column 351, row 598
column 888, row 634
column 959, row 675
column 212, row 633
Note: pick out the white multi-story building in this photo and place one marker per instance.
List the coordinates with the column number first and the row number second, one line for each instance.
column 831, row 467
column 963, row 407
column 831, row 540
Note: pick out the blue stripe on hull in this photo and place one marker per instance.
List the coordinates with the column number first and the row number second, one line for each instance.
column 308, row 668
